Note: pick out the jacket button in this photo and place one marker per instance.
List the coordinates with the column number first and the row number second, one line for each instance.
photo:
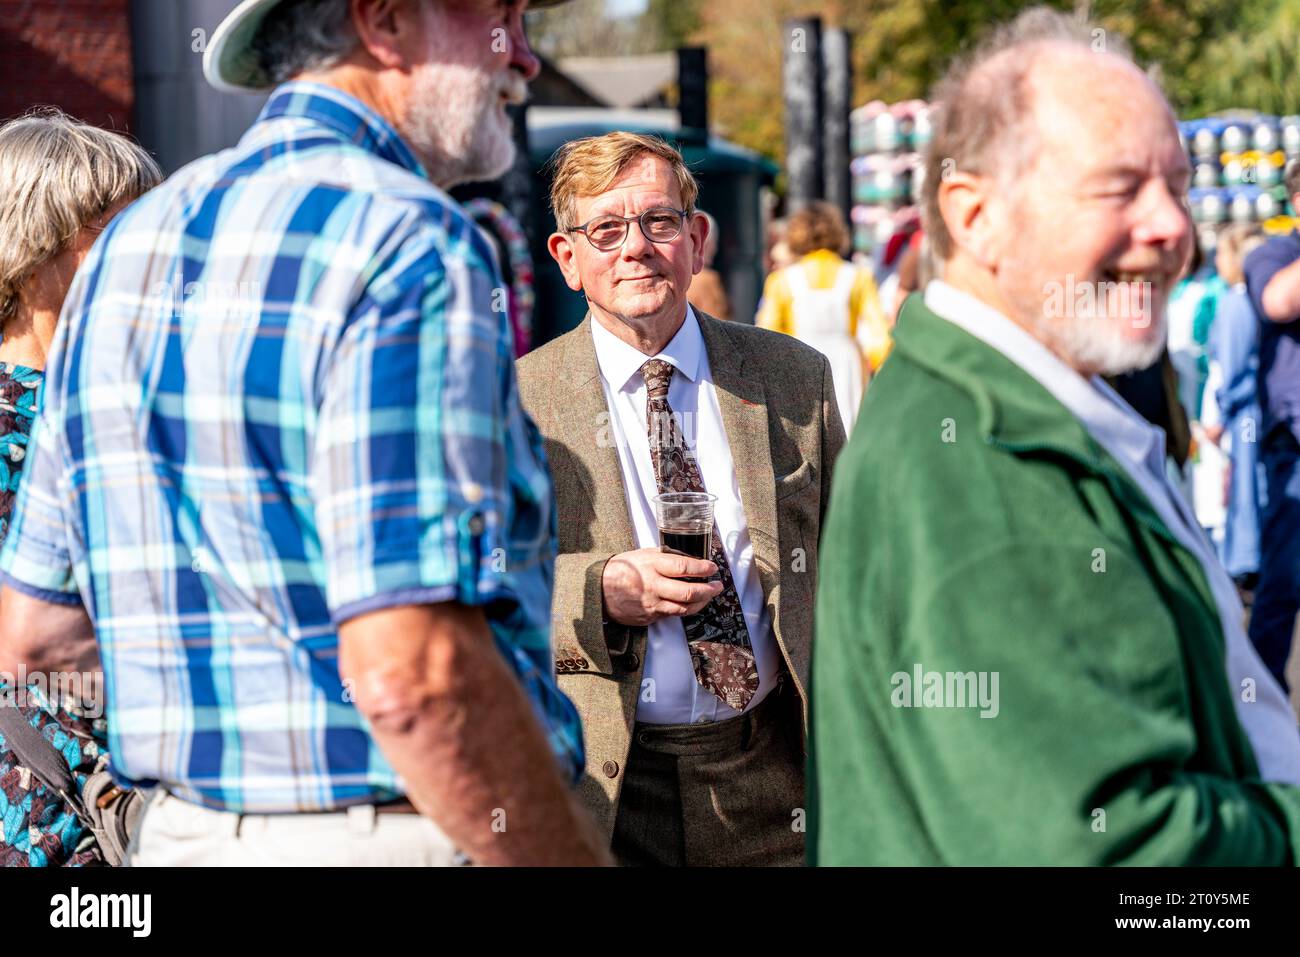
column 582, row 662
column 631, row 661
column 559, row 666
column 610, row 768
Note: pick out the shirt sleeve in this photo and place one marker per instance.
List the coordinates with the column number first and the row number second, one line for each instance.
column 36, row 559
column 1261, row 266
column 409, row 464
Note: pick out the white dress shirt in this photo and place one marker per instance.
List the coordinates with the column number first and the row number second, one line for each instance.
column 669, row 692
column 1139, row 447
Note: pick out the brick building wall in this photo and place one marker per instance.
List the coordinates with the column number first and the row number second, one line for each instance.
column 73, row 54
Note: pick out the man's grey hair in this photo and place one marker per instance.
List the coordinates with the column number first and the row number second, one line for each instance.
column 58, row 175
column 983, row 118
column 302, row 36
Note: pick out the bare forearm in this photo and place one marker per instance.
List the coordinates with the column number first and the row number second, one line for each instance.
column 78, row 653
column 465, row 739
column 38, row 636
column 1281, row 297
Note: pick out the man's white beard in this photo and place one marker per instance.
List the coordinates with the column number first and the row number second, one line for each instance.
column 1098, row 342
column 455, row 126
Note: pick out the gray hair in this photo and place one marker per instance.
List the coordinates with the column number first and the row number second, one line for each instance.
column 301, row 36
column 58, row 174
column 983, row 117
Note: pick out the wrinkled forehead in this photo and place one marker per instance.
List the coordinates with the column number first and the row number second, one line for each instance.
column 646, row 181
column 1090, row 110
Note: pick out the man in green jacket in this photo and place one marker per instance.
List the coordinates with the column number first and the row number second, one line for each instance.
column 1026, row 651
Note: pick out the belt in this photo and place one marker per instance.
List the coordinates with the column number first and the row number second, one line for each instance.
column 397, row 806
column 400, row 806
column 728, row 734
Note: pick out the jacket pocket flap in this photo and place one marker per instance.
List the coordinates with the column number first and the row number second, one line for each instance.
column 796, row 481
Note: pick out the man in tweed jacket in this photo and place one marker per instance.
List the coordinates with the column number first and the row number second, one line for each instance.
column 689, row 762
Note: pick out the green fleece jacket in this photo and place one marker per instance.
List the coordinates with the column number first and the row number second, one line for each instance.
column 1015, row 660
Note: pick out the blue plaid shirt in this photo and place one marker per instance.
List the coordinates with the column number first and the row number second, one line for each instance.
column 281, row 396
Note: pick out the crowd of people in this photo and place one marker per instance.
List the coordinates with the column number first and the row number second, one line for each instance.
column 351, row 586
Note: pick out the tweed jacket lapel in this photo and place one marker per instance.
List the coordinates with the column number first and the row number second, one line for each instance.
column 583, row 423
column 584, row 426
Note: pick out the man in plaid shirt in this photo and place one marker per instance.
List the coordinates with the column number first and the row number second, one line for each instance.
column 282, row 482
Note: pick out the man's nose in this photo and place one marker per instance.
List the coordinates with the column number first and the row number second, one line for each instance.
column 1166, row 221
column 636, row 246
column 522, row 57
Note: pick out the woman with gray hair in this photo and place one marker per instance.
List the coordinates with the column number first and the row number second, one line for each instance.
column 61, row 182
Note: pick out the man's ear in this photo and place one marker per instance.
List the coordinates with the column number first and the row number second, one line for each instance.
column 965, row 203
column 562, row 251
column 698, row 226
column 391, row 31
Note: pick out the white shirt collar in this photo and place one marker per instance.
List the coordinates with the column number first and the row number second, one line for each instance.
column 620, row 362
column 1104, row 413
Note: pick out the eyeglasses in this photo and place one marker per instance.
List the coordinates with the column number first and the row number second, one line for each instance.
column 659, row 224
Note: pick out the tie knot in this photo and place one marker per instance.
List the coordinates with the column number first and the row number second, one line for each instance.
column 657, row 374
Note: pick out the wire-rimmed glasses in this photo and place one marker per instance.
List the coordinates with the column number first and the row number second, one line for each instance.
column 659, row 224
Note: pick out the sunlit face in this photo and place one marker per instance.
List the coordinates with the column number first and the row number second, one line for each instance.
column 1095, row 235
column 640, row 281
column 478, row 63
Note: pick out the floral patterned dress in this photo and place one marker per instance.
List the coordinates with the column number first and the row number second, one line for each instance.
column 38, row 828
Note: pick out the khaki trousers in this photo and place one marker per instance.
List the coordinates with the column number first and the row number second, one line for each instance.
column 176, row 833
column 725, row 793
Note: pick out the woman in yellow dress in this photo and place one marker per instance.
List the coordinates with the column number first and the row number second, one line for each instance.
column 828, row 303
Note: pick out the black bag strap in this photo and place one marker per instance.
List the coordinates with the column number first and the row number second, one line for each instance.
column 35, row 752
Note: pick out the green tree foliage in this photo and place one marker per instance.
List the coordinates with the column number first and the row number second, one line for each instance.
column 1209, row 55
column 672, row 22
column 584, row 28
column 1255, row 66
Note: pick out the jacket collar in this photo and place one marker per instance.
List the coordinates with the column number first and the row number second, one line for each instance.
column 621, row 361
column 725, row 355
column 1015, row 412
column 342, row 114
column 1014, row 409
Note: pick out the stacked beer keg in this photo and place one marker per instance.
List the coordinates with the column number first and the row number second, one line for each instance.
column 1238, row 160
column 887, row 142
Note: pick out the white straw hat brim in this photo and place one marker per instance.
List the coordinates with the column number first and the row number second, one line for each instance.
column 230, row 64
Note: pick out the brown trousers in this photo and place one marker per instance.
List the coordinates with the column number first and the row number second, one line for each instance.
column 719, row 794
